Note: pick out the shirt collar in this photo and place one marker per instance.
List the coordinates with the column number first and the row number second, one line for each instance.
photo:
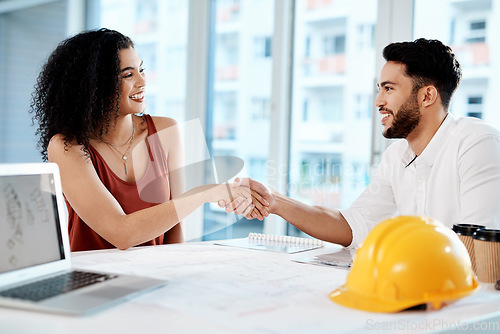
column 431, row 151
column 408, row 156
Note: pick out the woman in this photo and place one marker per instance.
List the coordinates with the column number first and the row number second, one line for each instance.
column 114, row 164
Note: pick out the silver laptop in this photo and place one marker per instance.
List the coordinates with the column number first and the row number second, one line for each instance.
column 35, row 258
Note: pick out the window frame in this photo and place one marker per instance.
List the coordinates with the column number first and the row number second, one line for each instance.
column 394, row 22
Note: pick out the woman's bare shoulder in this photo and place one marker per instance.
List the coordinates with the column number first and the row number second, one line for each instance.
column 59, row 147
column 163, row 122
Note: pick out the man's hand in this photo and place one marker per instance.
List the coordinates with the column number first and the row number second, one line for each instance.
column 263, row 202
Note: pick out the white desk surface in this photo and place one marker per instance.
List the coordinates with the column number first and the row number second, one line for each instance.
column 220, row 289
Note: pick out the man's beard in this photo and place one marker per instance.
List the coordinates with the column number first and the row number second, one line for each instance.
column 405, row 120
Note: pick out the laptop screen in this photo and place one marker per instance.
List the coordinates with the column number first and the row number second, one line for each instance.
column 29, row 223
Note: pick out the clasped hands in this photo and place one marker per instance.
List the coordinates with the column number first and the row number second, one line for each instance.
column 249, row 198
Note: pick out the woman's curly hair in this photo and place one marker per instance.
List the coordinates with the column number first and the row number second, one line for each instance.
column 77, row 91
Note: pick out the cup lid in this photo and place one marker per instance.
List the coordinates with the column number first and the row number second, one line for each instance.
column 487, row 235
column 466, row 229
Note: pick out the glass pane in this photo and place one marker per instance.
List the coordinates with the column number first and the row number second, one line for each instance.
column 240, row 93
column 332, row 101
column 470, row 29
column 159, row 31
column 29, row 32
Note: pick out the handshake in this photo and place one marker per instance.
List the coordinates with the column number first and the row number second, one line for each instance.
column 249, row 198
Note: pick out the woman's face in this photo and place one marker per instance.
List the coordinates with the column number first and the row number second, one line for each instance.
column 132, row 82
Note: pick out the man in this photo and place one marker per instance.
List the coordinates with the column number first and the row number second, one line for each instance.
column 444, row 168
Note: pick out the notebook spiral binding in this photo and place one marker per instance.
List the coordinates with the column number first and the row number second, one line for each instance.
column 259, row 237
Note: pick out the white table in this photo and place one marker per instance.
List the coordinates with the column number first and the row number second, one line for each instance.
column 219, row 289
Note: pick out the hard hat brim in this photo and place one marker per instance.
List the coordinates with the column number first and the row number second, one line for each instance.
column 348, row 298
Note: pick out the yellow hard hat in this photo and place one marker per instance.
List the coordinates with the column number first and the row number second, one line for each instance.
column 404, row 262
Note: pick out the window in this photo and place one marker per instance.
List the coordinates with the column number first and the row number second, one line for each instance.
column 466, row 27
column 148, row 56
column 175, row 57
column 334, row 45
column 365, row 36
column 146, row 19
column 238, row 116
column 228, row 10
column 307, row 47
column 305, row 110
column 477, row 31
column 162, row 47
column 478, row 26
column 262, row 47
column 224, row 117
column 28, row 34
column 227, row 56
column 260, row 108
column 320, row 178
column 176, row 5
column 331, row 107
column 475, row 106
column 363, row 106
column 257, row 168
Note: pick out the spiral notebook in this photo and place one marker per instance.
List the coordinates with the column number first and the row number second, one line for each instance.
column 341, row 258
column 275, row 243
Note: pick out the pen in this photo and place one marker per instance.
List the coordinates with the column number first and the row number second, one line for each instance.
column 336, row 264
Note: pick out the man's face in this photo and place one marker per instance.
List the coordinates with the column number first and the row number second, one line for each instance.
column 397, row 102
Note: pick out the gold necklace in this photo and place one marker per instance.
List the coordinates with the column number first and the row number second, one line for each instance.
column 124, row 156
column 128, row 141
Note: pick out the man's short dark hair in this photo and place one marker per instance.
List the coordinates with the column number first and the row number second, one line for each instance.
column 428, row 62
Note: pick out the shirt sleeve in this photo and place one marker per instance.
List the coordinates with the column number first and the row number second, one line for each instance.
column 479, row 172
column 375, row 204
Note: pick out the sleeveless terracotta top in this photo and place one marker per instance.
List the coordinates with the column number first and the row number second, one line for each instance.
column 153, row 188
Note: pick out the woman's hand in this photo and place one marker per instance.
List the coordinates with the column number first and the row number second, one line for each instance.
column 258, row 207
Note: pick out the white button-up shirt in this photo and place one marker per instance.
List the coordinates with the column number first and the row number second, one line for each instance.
column 456, row 179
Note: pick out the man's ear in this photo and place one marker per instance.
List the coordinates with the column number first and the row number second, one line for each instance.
column 428, row 95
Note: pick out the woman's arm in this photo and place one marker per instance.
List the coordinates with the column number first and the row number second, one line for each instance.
column 95, row 205
column 171, row 139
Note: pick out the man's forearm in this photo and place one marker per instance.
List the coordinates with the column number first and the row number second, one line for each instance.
column 320, row 222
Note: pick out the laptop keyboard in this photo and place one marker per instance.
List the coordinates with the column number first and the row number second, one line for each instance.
column 56, row 285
